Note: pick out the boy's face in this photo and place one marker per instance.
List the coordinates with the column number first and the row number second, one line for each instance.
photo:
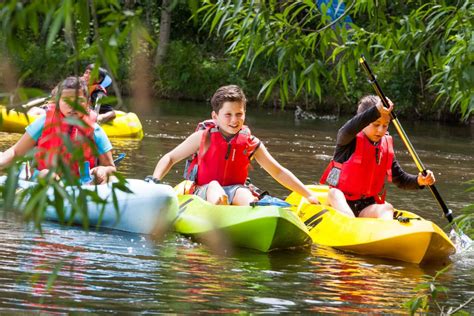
column 86, row 76
column 230, row 117
column 376, row 130
column 68, row 97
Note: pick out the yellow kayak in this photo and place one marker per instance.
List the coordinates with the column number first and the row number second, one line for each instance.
column 125, row 125
column 416, row 240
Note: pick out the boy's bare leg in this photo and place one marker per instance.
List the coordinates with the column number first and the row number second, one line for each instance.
column 243, row 196
column 337, row 200
column 36, row 111
column 106, row 117
column 215, row 194
column 383, row 211
column 45, row 172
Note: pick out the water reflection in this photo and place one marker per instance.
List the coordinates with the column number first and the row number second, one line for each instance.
column 106, row 270
column 362, row 284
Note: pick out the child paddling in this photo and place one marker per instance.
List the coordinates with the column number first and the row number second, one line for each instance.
column 363, row 160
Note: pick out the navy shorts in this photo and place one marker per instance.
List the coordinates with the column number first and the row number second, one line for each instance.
column 104, row 108
column 230, row 190
column 358, row 205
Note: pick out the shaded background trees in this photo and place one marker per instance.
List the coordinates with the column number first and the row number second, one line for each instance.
column 283, row 53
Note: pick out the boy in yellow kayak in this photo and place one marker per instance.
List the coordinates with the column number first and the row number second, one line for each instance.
column 224, row 149
column 363, row 159
column 98, row 90
column 47, row 134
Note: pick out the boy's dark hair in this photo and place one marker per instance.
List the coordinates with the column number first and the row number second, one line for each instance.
column 232, row 93
column 102, row 72
column 367, row 102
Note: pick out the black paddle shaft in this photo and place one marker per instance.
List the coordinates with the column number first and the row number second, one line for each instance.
column 447, row 212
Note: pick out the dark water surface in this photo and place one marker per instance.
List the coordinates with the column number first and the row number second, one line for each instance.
column 111, row 271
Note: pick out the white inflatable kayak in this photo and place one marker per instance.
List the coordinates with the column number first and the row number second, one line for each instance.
column 139, row 212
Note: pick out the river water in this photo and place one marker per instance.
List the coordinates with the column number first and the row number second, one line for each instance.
column 112, row 271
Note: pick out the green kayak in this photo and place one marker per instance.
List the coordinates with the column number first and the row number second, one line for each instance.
column 264, row 228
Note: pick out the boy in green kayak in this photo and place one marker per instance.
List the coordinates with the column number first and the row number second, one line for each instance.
column 363, row 160
column 223, row 150
column 47, row 135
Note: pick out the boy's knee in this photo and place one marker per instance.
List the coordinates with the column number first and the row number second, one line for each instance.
column 214, row 184
column 385, row 212
column 243, row 196
column 334, row 191
column 215, row 188
column 388, row 207
column 43, row 173
column 334, row 194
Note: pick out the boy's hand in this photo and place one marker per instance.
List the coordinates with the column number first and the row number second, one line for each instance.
column 100, row 173
column 429, row 179
column 382, row 109
column 313, row 199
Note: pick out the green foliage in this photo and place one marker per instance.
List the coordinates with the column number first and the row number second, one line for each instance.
column 62, row 34
column 465, row 220
column 312, row 52
column 436, row 40
column 431, row 294
column 67, row 35
column 195, row 78
column 45, row 69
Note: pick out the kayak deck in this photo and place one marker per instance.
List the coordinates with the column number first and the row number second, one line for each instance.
column 416, row 241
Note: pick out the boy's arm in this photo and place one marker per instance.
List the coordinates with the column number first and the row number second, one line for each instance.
column 188, row 147
column 406, row 181
column 105, row 117
column 24, row 144
column 282, row 175
column 105, row 169
column 402, row 179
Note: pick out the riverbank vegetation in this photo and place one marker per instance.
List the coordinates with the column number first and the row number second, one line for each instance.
column 283, row 53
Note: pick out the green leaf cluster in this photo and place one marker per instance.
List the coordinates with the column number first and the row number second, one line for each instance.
column 431, row 297
column 428, row 43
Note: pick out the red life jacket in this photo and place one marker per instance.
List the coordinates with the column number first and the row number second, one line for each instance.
column 96, row 86
column 363, row 174
column 51, row 146
column 225, row 162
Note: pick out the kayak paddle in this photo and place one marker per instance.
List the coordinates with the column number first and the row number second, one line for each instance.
column 119, row 158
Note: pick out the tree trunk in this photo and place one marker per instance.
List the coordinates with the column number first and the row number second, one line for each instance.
column 8, row 79
column 165, row 28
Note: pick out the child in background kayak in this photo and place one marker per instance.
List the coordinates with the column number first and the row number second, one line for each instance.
column 224, row 151
column 97, row 90
column 47, row 132
column 363, row 159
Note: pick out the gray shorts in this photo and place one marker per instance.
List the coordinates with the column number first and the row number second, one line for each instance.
column 230, row 190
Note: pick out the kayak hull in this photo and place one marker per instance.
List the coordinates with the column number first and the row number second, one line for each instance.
column 141, row 211
column 415, row 241
column 263, row 228
column 125, row 125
